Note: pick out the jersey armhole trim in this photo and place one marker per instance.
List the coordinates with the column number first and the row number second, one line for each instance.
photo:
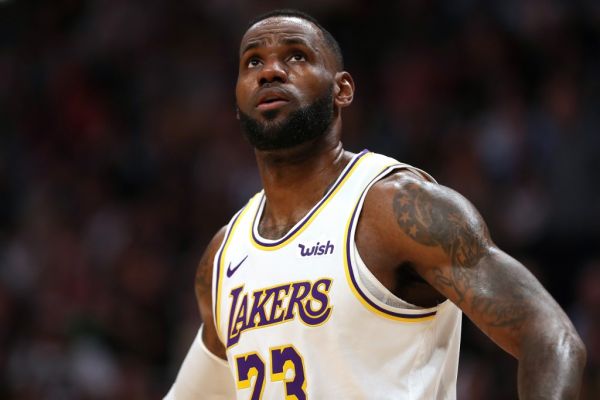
column 409, row 316
column 218, row 265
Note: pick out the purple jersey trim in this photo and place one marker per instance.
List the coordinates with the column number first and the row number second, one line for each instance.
column 307, row 217
column 349, row 238
column 220, row 255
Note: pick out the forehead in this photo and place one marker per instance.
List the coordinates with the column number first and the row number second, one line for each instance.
column 277, row 30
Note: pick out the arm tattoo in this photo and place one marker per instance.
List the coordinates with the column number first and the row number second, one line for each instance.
column 497, row 292
column 434, row 221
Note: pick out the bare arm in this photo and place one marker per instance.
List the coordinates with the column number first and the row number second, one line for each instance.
column 441, row 234
column 203, row 288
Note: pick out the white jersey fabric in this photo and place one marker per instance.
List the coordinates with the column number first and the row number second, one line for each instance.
column 302, row 316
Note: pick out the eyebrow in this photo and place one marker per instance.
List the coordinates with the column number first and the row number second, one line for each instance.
column 286, row 41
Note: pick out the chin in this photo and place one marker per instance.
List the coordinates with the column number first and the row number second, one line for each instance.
column 270, row 116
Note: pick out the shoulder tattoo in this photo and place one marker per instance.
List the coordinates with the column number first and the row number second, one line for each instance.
column 433, row 221
column 431, row 218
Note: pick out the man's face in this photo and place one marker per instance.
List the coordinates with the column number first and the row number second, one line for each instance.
column 285, row 84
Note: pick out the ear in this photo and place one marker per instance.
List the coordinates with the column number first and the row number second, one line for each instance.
column 344, row 89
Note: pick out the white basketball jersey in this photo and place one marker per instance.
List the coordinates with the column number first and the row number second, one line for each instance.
column 302, row 316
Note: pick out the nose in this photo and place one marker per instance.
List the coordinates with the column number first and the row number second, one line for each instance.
column 272, row 71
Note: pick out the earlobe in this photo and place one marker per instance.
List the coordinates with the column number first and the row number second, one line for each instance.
column 344, row 89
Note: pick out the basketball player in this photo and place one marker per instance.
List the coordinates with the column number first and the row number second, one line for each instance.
column 347, row 276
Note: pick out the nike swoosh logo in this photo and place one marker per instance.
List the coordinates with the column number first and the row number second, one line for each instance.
column 231, row 271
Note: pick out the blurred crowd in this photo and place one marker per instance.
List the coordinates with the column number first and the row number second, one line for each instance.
column 120, row 157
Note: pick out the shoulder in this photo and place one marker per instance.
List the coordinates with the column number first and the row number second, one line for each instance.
column 393, row 190
column 204, row 270
column 203, row 288
column 406, row 208
column 205, row 266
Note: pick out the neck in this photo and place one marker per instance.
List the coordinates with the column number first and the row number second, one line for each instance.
column 296, row 179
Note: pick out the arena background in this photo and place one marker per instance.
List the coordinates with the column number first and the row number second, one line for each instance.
column 120, row 156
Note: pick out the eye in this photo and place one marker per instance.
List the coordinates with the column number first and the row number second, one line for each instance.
column 253, row 62
column 297, row 57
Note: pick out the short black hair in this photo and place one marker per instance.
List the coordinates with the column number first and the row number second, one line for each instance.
column 333, row 44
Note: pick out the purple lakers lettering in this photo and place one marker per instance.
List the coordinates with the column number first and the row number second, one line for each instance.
column 316, row 250
column 307, row 300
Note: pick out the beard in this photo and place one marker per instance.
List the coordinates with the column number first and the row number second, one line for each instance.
column 299, row 127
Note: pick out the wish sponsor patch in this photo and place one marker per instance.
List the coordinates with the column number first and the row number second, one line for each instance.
column 317, row 249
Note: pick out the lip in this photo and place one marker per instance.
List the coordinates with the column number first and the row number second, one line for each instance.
column 271, row 99
column 272, row 105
